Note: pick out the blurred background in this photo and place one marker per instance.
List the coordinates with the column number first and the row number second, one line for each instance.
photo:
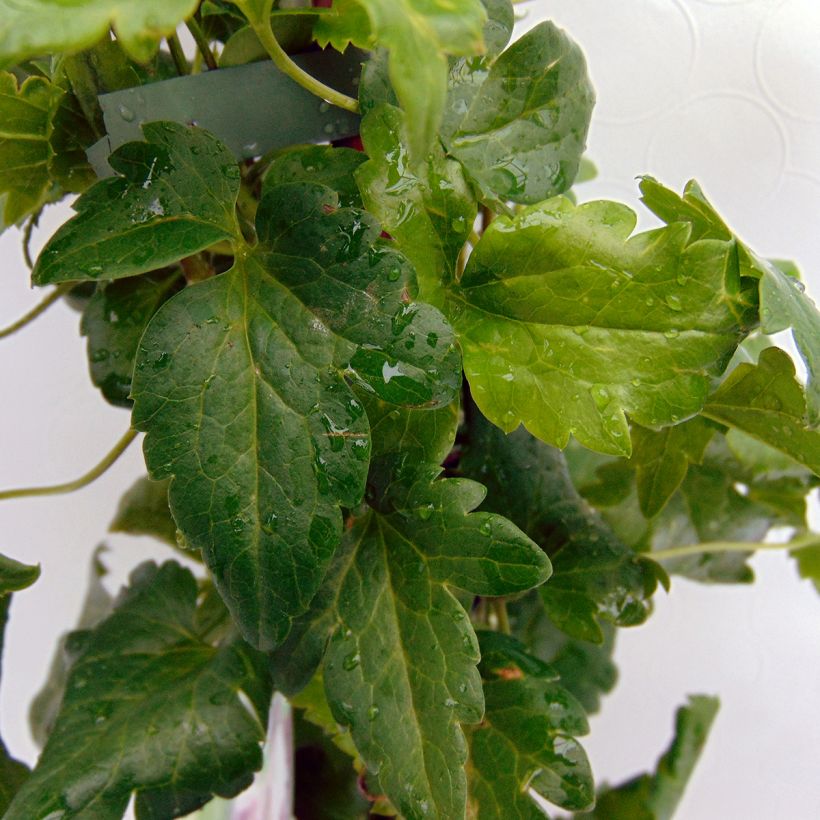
column 726, row 91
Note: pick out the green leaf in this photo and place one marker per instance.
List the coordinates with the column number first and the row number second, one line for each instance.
column 567, row 324
column 783, row 302
column 519, row 124
column 29, row 28
column 240, row 386
column 26, row 122
column 114, row 321
column 662, row 457
column 526, row 741
column 175, row 196
column 428, row 208
column 808, row 563
column 767, row 402
column 656, row 796
column 595, row 576
column 144, row 510
column 319, row 164
column 400, row 667
column 418, row 35
column 15, row 576
column 96, row 606
column 585, row 669
column 149, row 707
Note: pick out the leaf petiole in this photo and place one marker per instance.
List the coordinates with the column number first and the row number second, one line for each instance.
column 202, row 43
column 802, row 542
column 38, row 309
column 84, row 480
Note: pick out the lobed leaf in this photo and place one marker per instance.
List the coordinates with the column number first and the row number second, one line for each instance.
column 519, row 124
column 567, row 324
column 150, row 707
column 30, row 28
column 144, row 510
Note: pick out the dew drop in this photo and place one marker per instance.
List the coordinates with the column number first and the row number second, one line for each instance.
column 373, row 712
column 126, row 113
column 671, row 334
column 486, row 528
column 674, row 302
column 351, row 662
column 426, row 512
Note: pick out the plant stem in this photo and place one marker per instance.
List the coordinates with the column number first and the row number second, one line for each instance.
column 283, row 62
column 500, row 611
column 178, row 55
column 802, row 542
column 70, row 486
column 202, row 43
column 35, row 311
column 28, row 231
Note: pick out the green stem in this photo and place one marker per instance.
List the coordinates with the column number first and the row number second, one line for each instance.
column 802, row 542
column 70, row 486
column 27, row 233
column 202, row 43
column 500, row 611
column 35, row 311
column 283, row 62
column 178, row 55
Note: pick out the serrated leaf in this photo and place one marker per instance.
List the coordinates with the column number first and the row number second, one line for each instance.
column 402, row 653
column 175, row 196
column 662, row 457
column 767, row 402
column 114, row 321
column 807, row 557
column 240, row 386
column 319, row 164
column 526, row 741
column 418, row 35
column 97, row 605
column 584, row 668
column 29, row 28
column 428, row 208
column 595, row 575
column 149, row 707
column 144, row 510
column 26, row 122
column 519, row 124
column 567, row 323
column 656, row 796
column 783, row 302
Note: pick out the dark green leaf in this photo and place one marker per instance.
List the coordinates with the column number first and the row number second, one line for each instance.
column 418, row 34
column 428, row 208
column 656, row 796
column 15, row 576
column 783, row 303
column 595, row 575
column 26, row 121
column 519, row 125
column 240, row 386
column 175, row 196
column 662, row 457
column 144, row 510
column 29, row 28
column 567, row 324
column 321, row 164
column 526, row 741
column 149, row 706
column 767, row 402
column 114, row 321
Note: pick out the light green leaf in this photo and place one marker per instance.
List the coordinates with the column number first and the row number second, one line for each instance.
column 526, row 741
column 656, row 796
column 149, row 707
column 567, row 324
column 15, row 576
column 26, row 122
column 175, row 196
column 240, row 385
column 662, row 457
column 114, row 321
column 783, row 302
column 595, row 576
column 767, row 402
column 519, row 124
column 429, row 208
column 418, row 35
column 29, row 28
column 144, row 510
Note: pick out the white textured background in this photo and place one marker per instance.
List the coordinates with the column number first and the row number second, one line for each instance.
column 727, row 91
